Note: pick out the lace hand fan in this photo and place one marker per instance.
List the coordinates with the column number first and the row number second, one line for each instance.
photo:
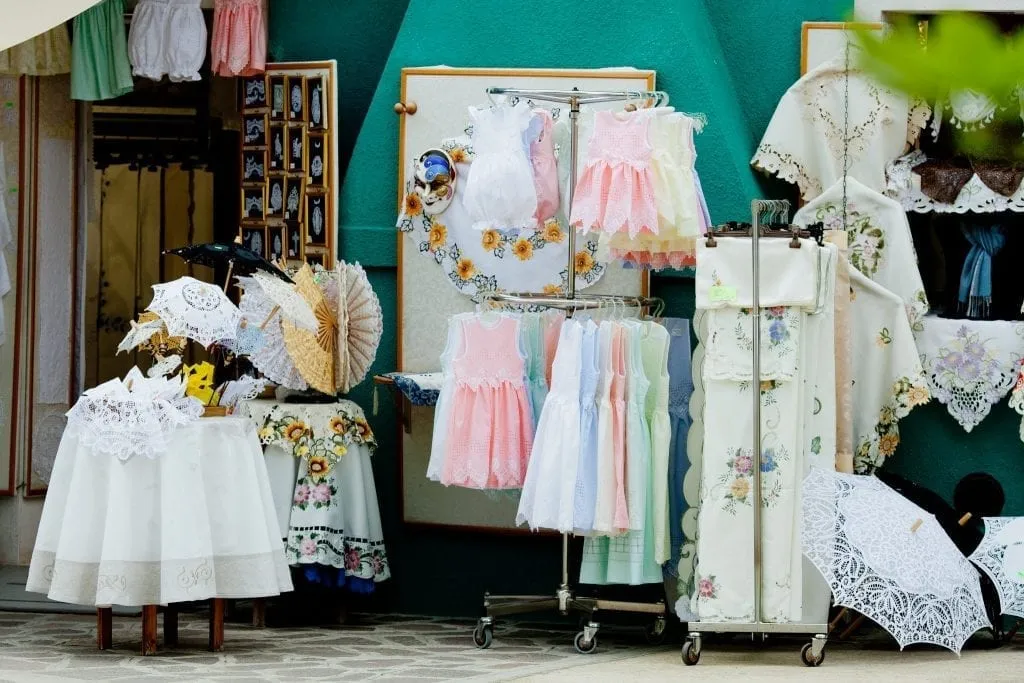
column 313, row 352
column 272, row 357
column 361, row 326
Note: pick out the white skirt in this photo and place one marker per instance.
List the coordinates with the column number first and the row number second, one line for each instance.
column 197, row 522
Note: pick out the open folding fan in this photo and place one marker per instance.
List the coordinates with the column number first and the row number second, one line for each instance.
column 313, row 352
column 360, row 326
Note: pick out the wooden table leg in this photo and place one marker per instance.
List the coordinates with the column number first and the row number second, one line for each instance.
column 216, row 625
column 259, row 612
column 149, row 629
column 171, row 625
column 104, row 627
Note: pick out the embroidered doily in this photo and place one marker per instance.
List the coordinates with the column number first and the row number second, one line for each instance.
column 905, row 187
column 310, row 430
column 133, row 417
column 474, row 262
column 914, row 583
column 971, row 364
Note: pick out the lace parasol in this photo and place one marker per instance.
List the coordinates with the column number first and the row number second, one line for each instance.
column 888, row 559
column 196, row 310
column 272, row 357
column 1001, row 556
column 287, row 301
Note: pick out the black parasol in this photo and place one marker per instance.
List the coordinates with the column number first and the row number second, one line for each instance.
column 238, row 259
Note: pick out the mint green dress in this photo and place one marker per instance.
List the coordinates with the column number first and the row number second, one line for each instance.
column 630, row 558
column 99, row 53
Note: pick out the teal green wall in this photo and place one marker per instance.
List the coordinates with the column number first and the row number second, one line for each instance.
column 729, row 59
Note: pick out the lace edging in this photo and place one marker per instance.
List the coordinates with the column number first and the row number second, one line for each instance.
column 905, row 395
column 773, row 162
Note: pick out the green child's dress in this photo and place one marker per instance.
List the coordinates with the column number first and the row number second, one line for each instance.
column 99, row 53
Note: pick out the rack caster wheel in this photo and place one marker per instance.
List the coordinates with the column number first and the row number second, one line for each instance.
column 691, row 651
column 483, row 636
column 808, row 656
column 655, row 632
column 584, row 646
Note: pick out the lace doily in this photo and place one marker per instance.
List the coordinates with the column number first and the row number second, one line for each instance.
column 915, row 584
column 971, row 364
column 904, row 186
column 309, row 430
column 999, row 556
column 194, row 309
column 134, row 417
column 164, row 366
column 243, row 389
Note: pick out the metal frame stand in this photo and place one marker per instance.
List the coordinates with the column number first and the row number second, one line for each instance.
column 813, row 653
column 565, row 600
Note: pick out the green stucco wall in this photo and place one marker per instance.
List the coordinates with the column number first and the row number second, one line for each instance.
column 731, row 59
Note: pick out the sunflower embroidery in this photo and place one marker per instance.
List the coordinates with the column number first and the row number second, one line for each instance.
column 363, row 429
column 490, row 240
column 465, row 269
column 553, row 289
column 413, row 205
column 457, row 154
column 318, row 467
column 339, row 425
column 584, row 262
column 295, row 430
column 437, row 237
column 523, row 249
column 553, row 232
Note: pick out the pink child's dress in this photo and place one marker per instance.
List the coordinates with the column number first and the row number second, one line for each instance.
column 239, row 44
column 545, row 169
column 490, row 430
column 615, row 192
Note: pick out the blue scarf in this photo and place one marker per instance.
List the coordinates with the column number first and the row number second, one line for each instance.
column 976, row 277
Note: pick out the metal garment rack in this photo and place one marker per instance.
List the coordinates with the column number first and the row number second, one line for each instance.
column 564, row 600
column 813, row 653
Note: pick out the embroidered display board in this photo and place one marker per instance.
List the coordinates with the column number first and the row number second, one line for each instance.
column 429, row 290
column 289, row 166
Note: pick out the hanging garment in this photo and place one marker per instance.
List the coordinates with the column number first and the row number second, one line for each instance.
column 970, row 366
column 943, row 179
column 604, row 507
column 167, row 38
column 99, row 53
column 843, row 357
column 725, row 277
column 545, row 168
column 798, row 430
column 443, row 408
column 499, row 190
column 547, row 500
column 975, row 296
column 239, row 44
column 675, row 192
column 809, row 134
column 536, row 365
column 490, row 429
column 528, row 260
column 629, row 558
column 615, row 192
column 679, row 391
column 888, row 380
column 586, row 473
column 879, row 241
column 654, row 351
column 47, row 54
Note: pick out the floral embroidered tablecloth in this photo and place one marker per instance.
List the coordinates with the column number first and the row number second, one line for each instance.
column 334, row 528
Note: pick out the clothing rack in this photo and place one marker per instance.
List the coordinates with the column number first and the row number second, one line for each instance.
column 564, row 599
column 812, row 653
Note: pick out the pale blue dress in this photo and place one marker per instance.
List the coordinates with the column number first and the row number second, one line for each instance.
column 586, row 474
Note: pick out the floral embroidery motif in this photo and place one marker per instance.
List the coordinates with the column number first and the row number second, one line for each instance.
column 324, row 545
column 968, row 377
column 873, row 449
column 706, row 588
column 324, row 444
column 866, row 240
column 315, row 493
column 739, row 479
column 884, row 338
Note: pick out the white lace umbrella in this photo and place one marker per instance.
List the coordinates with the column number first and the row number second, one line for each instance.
column 139, row 333
column 196, row 310
column 272, row 357
column 287, row 301
column 1001, row 556
column 890, row 560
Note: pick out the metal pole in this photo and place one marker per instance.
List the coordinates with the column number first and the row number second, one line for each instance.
column 574, row 136
column 755, row 235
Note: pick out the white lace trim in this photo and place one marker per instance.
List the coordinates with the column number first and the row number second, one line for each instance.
column 787, row 168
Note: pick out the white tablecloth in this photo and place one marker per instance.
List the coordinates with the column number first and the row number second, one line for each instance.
column 330, row 516
column 197, row 522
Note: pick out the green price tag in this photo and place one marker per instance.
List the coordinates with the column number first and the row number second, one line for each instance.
column 722, row 293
